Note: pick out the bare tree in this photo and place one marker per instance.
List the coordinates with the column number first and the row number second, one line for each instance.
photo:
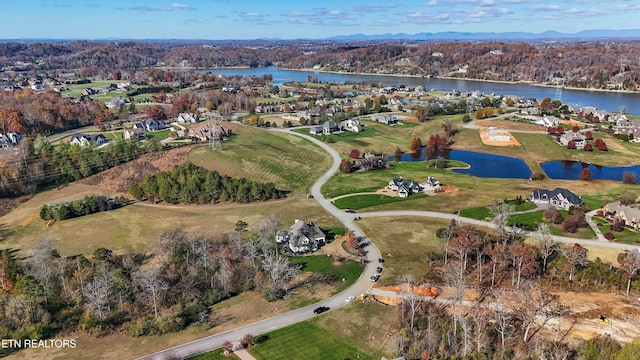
column 410, row 300
column 536, row 310
column 496, row 253
column 279, row 271
column 480, row 321
column 630, row 263
column 98, row 292
column 40, row 262
column 576, row 256
column 448, row 233
column 167, row 244
column 503, row 318
column 152, row 286
column 500, row 214
column 545, row 244
column 523, row 260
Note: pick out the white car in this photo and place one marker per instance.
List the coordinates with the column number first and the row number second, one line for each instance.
column 350, row 298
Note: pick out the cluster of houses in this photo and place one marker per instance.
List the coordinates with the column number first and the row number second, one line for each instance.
column 88, row 139
column 302, row 237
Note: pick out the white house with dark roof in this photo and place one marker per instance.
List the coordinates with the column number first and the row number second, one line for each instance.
column 150, row 125
column 88, row 139
column 404, row 188
column 302, row 237
column 558, row 197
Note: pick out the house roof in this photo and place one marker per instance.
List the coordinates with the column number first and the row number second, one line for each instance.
column 570, row 196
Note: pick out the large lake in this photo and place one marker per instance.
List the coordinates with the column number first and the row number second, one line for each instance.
column 609, row 101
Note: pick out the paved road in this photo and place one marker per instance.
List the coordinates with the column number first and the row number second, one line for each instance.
column 361, row 286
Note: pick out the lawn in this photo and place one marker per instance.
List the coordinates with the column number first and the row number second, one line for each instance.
column 368, row 200
column 290, row 162
column 158, row 135
column 217, row 354
column 406, row 243
column 478, row 213
column 138, row 226
column 348, row 270
column 305, row 340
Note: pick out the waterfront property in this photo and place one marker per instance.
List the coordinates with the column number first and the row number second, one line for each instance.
column 630, row 216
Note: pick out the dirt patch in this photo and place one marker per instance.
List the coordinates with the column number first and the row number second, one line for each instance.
column 495, row 137
column 119, row 178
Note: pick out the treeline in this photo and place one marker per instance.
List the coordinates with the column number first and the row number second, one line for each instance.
column 87, row 206
column 42, row 165
column 192, row 184
column 46, row 294
column 47, row 112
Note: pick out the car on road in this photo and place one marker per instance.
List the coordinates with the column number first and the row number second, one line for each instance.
column 350, row 211
column 357, row 218
column 374, row 277
column 321, row 309
column 380, row 260
column 350, row 298
column 379, row 269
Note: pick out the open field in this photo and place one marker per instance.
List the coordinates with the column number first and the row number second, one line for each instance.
column 406, row 243
column 137, row 226
column 290, row 162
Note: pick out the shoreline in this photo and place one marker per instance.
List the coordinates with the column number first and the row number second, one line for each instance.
column 462, row 78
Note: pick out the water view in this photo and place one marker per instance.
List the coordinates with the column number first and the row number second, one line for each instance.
column 570, row 170
column 610, row 101
column 482, row 164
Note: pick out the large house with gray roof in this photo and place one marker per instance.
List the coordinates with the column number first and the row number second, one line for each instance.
column 558, row 197
column 302, row 237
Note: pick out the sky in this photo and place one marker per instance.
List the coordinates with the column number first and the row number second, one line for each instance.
column 309, row 19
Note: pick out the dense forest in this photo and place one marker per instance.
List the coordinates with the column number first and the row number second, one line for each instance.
column 598, row 64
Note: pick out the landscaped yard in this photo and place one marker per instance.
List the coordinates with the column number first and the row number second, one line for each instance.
column 289, row 161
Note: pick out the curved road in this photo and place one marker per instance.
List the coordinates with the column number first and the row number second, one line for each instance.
column 361, row 286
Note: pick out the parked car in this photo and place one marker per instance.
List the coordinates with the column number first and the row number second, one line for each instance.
column 357, row 218
column 350, row 298
column 380, row 260
column 379, row 269
column 321, row 309
column 350, row 211
column 374, row 277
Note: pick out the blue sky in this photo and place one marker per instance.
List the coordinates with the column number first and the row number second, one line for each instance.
column 251, row 19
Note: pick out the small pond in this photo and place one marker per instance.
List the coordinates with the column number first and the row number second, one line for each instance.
column 570, row 170
column 482, row 164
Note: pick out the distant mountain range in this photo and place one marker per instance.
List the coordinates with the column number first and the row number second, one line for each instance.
column 517, row 35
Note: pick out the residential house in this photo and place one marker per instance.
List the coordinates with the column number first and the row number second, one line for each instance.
column 315, row 130
column 115, row 103
column 205, row 131
column 548, row 121
column 559, row 198
column 185, row 118
column 371, row 161
column 135, row 133
column 329, row 127
column 629, row 215
column 88, row 139
column 404, row 188
column 150, row 125
column 388, row 119
column 11, row 138
column 576, row 136
column 352, row 125
column 231, row 88
column 302, row 237
column 432, row 184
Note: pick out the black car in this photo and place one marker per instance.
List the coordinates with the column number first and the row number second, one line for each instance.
column 380, row 260
column 350, row 211
column 379, row 269
column 321, row 309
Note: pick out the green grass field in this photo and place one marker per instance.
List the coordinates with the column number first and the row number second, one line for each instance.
column 369, row 200
column 216, row 354
column 305, row 340
column 348, row 270
column 290, row 162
